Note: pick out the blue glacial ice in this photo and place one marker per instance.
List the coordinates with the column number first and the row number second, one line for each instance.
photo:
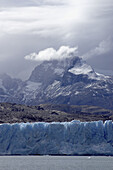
column 66, row 138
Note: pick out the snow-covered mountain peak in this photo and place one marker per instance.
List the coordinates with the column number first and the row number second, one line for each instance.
column 83, row 68
column 57, row 69
column 53, row 69
column 67, row 81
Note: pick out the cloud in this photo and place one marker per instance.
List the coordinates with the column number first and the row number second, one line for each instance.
column 20, row 3
column 104, row 47
column 48, row 17
column 42, row 17
column 42, row 20
column 33, row 25
column 51, row 54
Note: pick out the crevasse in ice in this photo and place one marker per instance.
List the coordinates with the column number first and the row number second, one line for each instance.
column 70, row 138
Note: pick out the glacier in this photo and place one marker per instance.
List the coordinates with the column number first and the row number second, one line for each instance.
column 57, row 138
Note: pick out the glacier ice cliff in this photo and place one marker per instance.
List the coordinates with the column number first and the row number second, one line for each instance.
column 66, row 138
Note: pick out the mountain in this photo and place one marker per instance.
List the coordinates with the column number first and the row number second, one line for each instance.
column 68, row 81
column 9, row 87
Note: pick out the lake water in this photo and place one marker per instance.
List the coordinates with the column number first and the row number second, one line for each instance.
column 56, row 163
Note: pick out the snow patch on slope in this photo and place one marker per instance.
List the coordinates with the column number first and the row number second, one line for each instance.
column 1, row 85
column 83, row 68
column 31, row 86
column 59, row 71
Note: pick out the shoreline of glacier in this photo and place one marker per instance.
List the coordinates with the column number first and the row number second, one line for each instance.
column 57, row 138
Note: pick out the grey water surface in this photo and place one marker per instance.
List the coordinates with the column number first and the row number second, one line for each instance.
column 56, row 163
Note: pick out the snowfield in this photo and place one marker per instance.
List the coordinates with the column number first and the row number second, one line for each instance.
column 69, row 138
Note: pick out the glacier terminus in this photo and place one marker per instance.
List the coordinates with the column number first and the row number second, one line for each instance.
column 57, row 138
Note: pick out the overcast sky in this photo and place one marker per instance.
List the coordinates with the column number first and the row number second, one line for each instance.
column 30, row 26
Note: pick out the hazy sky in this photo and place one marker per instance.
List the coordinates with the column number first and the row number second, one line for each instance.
column 30, row 26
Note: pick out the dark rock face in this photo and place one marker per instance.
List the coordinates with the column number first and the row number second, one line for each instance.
column 70, row 81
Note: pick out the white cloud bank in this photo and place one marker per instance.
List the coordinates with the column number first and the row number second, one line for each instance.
column 51, row 54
